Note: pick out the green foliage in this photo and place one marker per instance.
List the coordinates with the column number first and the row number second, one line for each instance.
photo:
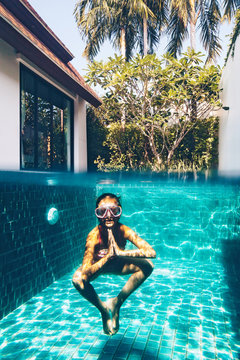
column 96, row 135
column 126, row 148
column 157, row 112
column 234, row 35
column 121, row 22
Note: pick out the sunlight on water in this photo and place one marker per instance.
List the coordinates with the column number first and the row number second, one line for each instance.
column 189, row 307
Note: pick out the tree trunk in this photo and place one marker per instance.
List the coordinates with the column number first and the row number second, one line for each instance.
column 193, row 26
column 123, row 43
column 145, row 36
column 170, row 155
column 192, row 34
column 154, row 149
column 123, row 53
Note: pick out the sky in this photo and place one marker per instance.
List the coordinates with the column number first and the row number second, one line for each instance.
column 58, row 14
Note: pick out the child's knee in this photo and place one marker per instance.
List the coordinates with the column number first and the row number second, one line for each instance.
column 77, row 279
column 148, row 268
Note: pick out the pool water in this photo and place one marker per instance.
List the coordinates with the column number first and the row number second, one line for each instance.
column 189, row 308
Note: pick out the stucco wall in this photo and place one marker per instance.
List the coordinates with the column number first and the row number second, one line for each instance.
column 10, row 113
column 80, row 135
column 9, row 108
column 229, row 137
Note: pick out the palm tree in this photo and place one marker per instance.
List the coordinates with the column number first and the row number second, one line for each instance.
column 151, row 27
column 92, row 18
column 124, row 25
column 121, row 22
column 186, row 14
column 234, row 35
column 230, row 8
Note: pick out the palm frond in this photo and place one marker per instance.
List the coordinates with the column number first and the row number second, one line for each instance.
column 183, row 9
column 178, row 33
column 210, row 17
column 234, row 36
column 230, row 7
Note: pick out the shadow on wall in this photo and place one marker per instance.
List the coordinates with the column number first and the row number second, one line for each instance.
column 231, row 262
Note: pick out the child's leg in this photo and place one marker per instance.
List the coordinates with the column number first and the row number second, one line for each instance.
column 88, row 292
column 140, row 270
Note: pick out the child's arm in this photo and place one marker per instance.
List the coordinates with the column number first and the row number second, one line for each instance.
column 88, row 267
column 144, row 249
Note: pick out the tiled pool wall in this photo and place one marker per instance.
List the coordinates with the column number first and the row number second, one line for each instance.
column 181, row 220
column 34, row 253
column 185, row 220
column 189, row 308
column 195, row 230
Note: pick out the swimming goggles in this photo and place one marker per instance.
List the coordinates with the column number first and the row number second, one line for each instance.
column 101, row 212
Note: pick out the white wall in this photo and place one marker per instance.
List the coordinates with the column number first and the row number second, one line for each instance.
column 229, row 134
column 10, row 115
column 9, row 109
column 80, row 135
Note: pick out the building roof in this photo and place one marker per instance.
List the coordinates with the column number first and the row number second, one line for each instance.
column 23, row 28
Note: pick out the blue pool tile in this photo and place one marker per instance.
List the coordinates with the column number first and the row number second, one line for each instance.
column 106, row 356
column 150, row 353
column 138, row 346
column 167, row 343
column 208, row 355
column 178, row 356
column 74, row 329
column 179, row 349
column 78, row 354
column 165, row 350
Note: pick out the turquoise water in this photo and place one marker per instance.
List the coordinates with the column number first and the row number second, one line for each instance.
column 189, row 308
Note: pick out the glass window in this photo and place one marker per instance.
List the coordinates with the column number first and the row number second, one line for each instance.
column 46, row 125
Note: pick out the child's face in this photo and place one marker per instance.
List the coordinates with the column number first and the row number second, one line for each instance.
column 109, row 220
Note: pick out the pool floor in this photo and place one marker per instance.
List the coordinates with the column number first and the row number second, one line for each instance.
column 185, row 310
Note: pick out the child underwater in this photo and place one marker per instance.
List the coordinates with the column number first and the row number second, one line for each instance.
column 105, row 254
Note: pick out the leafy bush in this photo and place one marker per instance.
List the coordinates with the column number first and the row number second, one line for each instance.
column 156, row 114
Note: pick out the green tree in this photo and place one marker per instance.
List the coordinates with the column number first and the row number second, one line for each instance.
column 124, row 25
column 121, row 22
column 187, row 14
column 151, row 27
column 93, row 18
column 96, row 137
column 164, row 99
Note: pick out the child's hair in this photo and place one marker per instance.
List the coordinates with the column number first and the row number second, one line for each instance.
column 112, row 196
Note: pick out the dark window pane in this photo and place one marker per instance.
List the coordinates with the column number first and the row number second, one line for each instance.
column 27, row 130
column 59, row 161
column 58, row 99
column 43, row 90
column 67, row 131
column 44, row 134
column 45, row 125
column 28, row 83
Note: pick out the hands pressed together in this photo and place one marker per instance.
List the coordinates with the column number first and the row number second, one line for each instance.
column 113, row 249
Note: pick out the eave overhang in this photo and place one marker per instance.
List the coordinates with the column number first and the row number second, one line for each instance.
column 26, row 14
column 26, row 43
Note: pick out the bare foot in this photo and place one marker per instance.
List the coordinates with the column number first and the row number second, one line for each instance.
column 107, row 322
column 115, row 308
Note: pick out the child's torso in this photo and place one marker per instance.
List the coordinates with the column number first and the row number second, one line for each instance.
column 101, row 248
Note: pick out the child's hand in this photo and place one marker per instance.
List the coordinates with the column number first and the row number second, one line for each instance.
column 112, row 244
column 113, row 247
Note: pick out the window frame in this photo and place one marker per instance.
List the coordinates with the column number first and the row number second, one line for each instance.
column 52, row 88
